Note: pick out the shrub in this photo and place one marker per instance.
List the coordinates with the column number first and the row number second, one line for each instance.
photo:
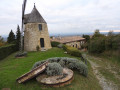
column 7, row 50
column 37, row 48
column 70, row 63
column 55, row 44
column 21, row 54
column 38, row 63
column 97, row 45
column 54, row 69
column 72, row 51
column 79, row 66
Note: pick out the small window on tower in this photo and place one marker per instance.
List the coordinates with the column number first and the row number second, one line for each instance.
column 40, row 27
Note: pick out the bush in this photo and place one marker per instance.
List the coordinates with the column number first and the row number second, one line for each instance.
column 7, row 50
column 55, row 44
column 38, row 63
column 72, row 51
column 21, row 54
column 54, row 69
column 97, row 45
column 79, row 66
column 37, row 48
column 70, row 63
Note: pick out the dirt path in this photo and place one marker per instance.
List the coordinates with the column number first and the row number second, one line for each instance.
column 105, row 83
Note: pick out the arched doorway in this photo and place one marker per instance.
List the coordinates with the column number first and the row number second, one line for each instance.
column 42, row 42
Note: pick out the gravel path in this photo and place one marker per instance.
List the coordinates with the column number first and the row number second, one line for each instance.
column 105, row 84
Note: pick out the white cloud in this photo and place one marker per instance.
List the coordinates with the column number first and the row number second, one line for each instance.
column 64, row 16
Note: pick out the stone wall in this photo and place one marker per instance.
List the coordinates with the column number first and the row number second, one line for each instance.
column 76, row 44
column 32, row 36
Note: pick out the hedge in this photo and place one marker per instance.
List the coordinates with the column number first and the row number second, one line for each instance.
column 72, row 51
column 7, row 50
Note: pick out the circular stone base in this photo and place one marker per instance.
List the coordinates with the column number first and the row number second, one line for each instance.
column 57, row 81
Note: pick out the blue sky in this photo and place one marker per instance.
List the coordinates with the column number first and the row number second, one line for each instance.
column 64, row 16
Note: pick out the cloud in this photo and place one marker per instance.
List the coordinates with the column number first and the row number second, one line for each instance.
column 64, row 16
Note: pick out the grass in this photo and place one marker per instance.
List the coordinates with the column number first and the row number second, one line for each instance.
column 109, row 76
column 11, row 68
column 107, row 67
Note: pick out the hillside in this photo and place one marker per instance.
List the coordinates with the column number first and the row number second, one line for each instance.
column 11, row 68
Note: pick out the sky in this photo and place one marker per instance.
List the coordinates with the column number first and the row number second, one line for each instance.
column 64, row 16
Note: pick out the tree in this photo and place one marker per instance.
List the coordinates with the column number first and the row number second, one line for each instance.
column 18, row 35
column 87, row 37
column 109, row 40
column 97, row 34
column 97, row 43
column 11, row 37
column 1, row 41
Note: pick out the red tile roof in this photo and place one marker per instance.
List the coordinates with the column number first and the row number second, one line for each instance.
column 67, row 39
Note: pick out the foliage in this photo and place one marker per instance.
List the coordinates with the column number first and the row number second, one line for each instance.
column 37, row 48
column 11, row 68
column 11, row 37
column 7, row 50
column 97, row 45
column 71, row 63
column 54, row 69
column 1, row 41
column 97, row 34
column 21, row 54
column 55, row 44
column 112, row 41
column 100, row 43
column 87, row 37
column 60, row 46
column 80, row 66
column 72, row 51
column 18, row 35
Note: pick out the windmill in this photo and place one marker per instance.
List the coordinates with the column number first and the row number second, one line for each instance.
column 22, row 26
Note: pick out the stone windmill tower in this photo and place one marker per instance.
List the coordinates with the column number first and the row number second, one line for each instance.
column 35, row 32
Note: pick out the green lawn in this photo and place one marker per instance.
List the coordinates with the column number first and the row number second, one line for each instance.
column 11, row 68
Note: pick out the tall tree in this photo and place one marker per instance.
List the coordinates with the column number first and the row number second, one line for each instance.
column 11, row 37
column 18, row 34
column 1, row 41
column 97, row 43
column 97, row 34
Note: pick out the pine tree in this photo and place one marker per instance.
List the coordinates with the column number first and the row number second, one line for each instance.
column 18, row 34
column 11, row 37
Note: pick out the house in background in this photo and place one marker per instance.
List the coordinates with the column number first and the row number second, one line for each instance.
column 73, row 41
column 36, row 32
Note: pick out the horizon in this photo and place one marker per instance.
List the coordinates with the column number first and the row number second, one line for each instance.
column 71, row 34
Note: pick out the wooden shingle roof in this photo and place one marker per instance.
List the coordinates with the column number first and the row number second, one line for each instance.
column 34, row 17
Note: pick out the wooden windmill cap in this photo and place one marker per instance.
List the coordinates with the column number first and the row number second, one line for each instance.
column 34, row 17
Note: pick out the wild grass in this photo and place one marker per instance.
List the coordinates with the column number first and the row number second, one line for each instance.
column 11, row 68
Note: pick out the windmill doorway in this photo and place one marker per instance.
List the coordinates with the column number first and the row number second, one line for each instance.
column 42, row 42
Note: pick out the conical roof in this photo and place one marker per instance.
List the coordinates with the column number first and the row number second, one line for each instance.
column 34, row 17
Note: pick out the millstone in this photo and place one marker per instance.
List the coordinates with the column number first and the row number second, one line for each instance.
column 57, row 81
